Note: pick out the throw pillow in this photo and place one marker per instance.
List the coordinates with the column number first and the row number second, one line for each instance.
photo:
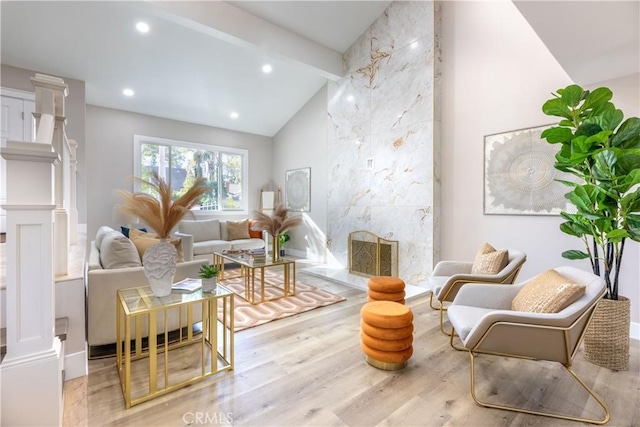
column 144, row 241
column 548, row 292
column 125, row 230
column 201, row 230
column 116, row 251
column 238, row 229
column 484, row 249
column 102, row 231
column 489, row 261
column 254, row 234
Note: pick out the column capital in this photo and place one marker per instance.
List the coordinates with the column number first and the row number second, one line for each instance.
column 23, row 151
column 50, row 82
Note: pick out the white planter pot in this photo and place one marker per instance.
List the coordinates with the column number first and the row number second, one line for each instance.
column 209, row 285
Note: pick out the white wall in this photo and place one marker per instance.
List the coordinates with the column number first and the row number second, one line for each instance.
column 302, row 143
column 626, row 93
column 110, row 156
column 496, row 76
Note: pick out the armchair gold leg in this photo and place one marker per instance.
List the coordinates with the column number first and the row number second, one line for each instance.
column 441, row 308
column 545, row 414
column 431, row 302
column 451, row 337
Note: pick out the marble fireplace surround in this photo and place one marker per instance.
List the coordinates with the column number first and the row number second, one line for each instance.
column 383, row 138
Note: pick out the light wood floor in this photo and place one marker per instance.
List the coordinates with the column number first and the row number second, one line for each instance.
column 309, row 370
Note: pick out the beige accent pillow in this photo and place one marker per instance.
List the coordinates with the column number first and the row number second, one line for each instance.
column 201, row 230
column 238, row 229
column 548, row 292
column 102, row 231
column 117, row 251
column 489, row 261
column 144, row 241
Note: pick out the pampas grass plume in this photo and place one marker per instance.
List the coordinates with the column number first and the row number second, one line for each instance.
column 275, row 224
column 162, row 214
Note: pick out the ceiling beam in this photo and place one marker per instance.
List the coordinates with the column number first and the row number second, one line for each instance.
column 226, row 22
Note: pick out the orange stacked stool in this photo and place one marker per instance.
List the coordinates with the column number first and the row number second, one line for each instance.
column 386, row 288
column 386, row 334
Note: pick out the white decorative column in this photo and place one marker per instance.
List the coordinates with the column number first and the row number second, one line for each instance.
column 30, row 374
column 73, row 206
column 50, row 99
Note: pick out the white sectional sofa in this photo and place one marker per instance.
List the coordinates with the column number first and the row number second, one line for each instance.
column 114, row 263
column 201, row 238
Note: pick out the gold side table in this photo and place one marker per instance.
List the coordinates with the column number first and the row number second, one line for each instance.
column 152, row 331
column 248, row 266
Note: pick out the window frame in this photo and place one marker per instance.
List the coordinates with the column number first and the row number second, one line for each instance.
column 138, row 140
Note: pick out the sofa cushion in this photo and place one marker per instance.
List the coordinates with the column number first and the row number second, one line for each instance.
column 144, row 241
column 237, row 230
column 211, row 246
column 201, row 230
column 116, row 251
column 548, row 292
column 102, row 231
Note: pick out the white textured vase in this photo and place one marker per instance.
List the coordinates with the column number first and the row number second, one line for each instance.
column 159, row 262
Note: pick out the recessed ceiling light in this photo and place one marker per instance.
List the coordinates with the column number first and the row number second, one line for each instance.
column 414, row 45
column 351, row 98
column 128, row 92
column 266, row 68
column 143, row 27
column 234, row 115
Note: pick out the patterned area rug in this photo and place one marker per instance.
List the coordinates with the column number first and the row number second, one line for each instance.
column 247, row 315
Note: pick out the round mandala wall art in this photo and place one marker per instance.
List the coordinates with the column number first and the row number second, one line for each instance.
column 520, row 178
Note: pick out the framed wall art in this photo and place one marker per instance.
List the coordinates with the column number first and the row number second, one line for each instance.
column 298, row 189
column 519, row 176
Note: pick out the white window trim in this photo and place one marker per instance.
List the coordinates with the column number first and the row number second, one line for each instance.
column 139, row 139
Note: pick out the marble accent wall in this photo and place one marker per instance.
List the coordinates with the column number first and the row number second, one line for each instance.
column 383, row 149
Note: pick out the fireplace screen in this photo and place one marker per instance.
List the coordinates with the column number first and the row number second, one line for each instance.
column 370, row 255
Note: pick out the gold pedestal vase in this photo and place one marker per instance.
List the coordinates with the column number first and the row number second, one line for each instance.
column 275, row 248
column 159, row 262
column 606, row 342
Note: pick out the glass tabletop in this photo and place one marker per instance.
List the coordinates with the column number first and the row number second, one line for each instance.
column 141, row 299
column 248, row 259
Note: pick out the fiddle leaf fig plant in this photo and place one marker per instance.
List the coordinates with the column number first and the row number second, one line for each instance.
column 603, row 152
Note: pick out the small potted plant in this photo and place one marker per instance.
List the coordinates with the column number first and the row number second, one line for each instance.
column 208, row 274
column 284, row 238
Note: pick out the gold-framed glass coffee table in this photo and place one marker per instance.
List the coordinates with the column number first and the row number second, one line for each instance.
column 252, row 265
column 157, row 350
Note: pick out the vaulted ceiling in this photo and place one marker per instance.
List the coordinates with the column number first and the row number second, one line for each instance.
column 201, row 61
column 594, row 41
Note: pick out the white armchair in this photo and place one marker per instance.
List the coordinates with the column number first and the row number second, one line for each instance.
column 482, row 317
column 449, row 277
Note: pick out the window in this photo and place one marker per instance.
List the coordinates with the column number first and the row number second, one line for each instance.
column 180, row 163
